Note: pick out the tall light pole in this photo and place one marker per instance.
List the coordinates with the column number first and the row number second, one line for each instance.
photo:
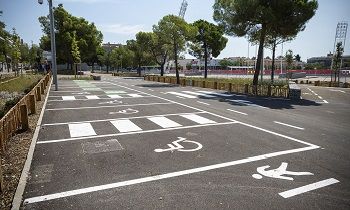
column 53, row 43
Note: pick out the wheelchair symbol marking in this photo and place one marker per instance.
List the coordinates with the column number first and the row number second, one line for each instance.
column 175, row 145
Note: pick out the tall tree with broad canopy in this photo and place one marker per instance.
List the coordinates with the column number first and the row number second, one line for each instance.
column 210, row 39
column 174, row 31
column 141, row 54
column 122, row 57
column 249, row 17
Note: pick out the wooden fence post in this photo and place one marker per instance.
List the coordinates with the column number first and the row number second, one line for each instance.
column 215, row 85
column 32, row 104
column 2, row 137
column 24, row 117
column 42, row 88
column 203, row 83
column 38, row 93
column 2, row 187
column 269, row 90
column 246, row 88
column 230, row 87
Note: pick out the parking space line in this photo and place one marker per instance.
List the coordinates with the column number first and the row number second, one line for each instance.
column 164, row 122
column 99, row 107
column 307, row 188
column 231, row 110
column 81, row 129
column 201, row 102
column 130, row 133
column 125, row 126
column 122, row 118
column 292, row 126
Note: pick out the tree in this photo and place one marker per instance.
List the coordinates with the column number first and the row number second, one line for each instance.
column 174, row 31
column 15, row 51
column 225, row 63
column 289, row 59
column 208, row 39
column 259, row 18
column 5, row 45
column 75, row 54
column 297, row 58
column 337, row 61
column 105, row 57
column 122, row 57
column 141, row 55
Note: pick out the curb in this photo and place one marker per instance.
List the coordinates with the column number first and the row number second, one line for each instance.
column 17, row 199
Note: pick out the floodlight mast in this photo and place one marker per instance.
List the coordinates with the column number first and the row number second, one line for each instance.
column 340, row 37
column 183, row 9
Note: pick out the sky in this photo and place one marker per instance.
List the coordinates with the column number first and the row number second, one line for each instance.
column 120, row 20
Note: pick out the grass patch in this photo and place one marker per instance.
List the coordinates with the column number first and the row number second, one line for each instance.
column 20, row 84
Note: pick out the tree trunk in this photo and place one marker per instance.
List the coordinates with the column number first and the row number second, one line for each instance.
column 273, row 61
column 205, row 60
column 260, row 54
column 176, row 69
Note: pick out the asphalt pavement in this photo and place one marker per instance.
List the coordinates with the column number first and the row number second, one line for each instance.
column 125, row 143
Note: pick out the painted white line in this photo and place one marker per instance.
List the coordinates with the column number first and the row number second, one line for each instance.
column 216, row 94
column 114, row 91
column 320, row 97
column 180, row 97
column 131, row 133
column 114, row 96
column 99, row 107
column 182, row 94
column 123, row 118
column 203, row 103
column 17, row 198
column 231, row 110
column 342, row 91
column 292, row 126
column 80, row 130
column 92, row 97
column 164, row 122
column 247, row 103
column 326, row 102
column 153, row 178
column 68, row 98
column 125, row 126
column 307, row 188
column 135, row 95
column 98, row 99
column 198, row 119
column 199, row 94
column 150, row 90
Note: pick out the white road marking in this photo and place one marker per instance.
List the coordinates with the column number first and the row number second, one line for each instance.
column 81, row 129
column 114, row 91
column 247, row 103
column 68, row 98
column 199, row 94
column 124, row 118
column 307, row 188
column 114, row 96
column 180, row 97
column 183, row 95
column 231, row 110
column 292, row 126
column 135, row 95
column 92, row 97
column 164, row 122
column 201, row 102
column 320, row 97
column 342, row 91
column 150, row 90
column 198, row 119
column 131, row 133
column 125, row 126
column 217, row 94
column 326, row 102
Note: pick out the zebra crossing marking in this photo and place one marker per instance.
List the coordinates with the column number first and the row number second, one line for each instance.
column 198, row 119
column 125, row 126
column 164, row 122
column 92, row 97
column 81, row 129
column 182, row 95
column 68, row 98
column 199, row 94
column 135, row 95
column 114, row 96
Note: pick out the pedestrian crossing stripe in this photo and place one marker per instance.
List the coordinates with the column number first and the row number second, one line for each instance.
column 92, row 97
column 199, row 94
column 68, row 98
column 113, row 96
column 183, row 95
column 208, row 94
column 126, row 125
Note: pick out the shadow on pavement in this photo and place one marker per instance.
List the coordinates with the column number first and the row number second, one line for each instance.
column 161, row 85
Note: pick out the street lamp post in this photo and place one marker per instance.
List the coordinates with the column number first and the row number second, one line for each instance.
column 53, row 43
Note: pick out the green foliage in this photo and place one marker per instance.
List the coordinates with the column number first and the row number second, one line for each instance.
column 289, row 58
column 259, row 19
column 225, row 63
column 122, row 57
column 20, row 84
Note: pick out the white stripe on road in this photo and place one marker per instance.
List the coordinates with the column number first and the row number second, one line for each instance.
column 182, row 94
column 164, row 122
column 198, row 119
column 342, row 91
column 203, row 103
column 114, row 96
column 215, row 93
column 199, row 94
column 92, row 97
column 82, row 129
column 231, row 110
column 180, row 97
column 247, row 103
column 135, row 95
column 320, row 97
column 326, row 102
column 307, row 188
column 68, row 98
column 125, row 126
column 292, row 126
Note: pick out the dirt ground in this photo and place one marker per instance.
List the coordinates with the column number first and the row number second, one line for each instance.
column 14, row 158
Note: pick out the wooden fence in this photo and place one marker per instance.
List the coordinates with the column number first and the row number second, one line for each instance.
column 16, row 118
column 246, row 89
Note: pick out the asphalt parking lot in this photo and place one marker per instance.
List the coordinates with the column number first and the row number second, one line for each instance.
column 125, row 143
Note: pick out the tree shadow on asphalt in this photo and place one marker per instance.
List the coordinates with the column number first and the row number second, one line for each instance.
column 272, row 103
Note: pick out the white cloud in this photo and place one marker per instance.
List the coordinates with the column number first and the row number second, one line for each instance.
column 121, row 29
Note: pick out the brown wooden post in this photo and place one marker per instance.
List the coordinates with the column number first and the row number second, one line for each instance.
column 24, row 117
column 246, row 88
column 203, row 83
column 193, row 83
column 269, row 90
column 38, row 93
column 2, row 187
column 215, row 85
column 42, row 87
column 2, row 137
column 230, row 87
column 32, row 104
